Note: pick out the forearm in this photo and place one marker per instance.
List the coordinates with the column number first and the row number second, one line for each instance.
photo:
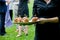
column 53, row 20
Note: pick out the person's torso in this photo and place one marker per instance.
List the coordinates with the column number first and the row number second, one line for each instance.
column 46, row 10
column 23, row 1
column 11, row 5
column 3, row 6
column 2, row 0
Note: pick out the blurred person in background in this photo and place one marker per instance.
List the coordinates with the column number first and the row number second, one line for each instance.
column 3, row 9
column 11, row 8
column 8, row 21
column 23, row 11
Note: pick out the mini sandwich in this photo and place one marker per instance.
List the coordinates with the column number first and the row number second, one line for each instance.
column 18, row 20
column 25, row 20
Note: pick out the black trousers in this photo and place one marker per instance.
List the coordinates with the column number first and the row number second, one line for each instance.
column 2, row 23
column 11, row 13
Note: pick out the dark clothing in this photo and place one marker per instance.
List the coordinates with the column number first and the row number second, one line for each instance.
column 23, row 8
column 3, row 9
column 2, row 23
column 23, row 1
column 47, row 31
column 2, row 0
column 11, row 13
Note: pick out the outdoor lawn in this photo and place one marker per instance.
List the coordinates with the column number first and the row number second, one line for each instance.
column 11, row 34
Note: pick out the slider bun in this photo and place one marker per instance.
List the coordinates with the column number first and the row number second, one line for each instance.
column 25, row 19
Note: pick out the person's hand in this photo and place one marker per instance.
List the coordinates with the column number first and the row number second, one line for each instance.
column 34, row 19
column 42, row 20
column 8, row 1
